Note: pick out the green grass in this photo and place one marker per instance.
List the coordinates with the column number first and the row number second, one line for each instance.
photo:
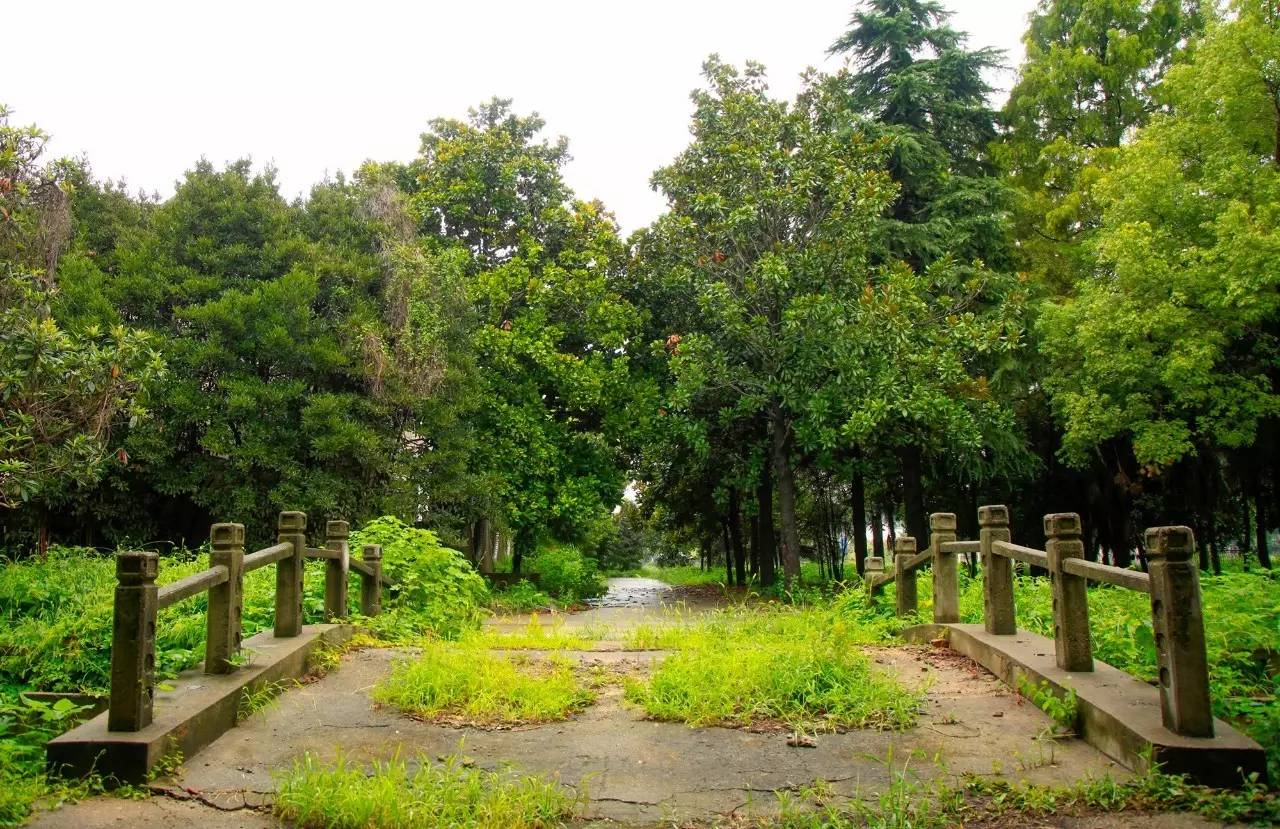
column 744, row 666
column 424, row 795
column 911, row 801
column 537, row 635
column 684, row 576
column 465, row 682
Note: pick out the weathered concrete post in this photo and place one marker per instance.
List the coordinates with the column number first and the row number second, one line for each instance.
column 292, row 530
column 1071, row 641
column 1178, row 621
column 946, row 570
column 133, row 642
column 226, row 601
column 997, row 571
column 336, row 534
column 905, row 580
column 371, row 585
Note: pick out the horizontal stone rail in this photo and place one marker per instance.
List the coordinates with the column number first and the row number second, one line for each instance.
column 138, row 601
column 1185, row 737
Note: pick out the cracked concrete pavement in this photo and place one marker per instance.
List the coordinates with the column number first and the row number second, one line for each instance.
column 636, row 772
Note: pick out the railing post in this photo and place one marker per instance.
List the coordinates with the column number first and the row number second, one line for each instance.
column 226, row 601
column 1071, row 641
column 133, row 642
column 905, row 580
column 292, row 529
column 1178, row 622
column 335, row 570
column 946, row 572
column 997, row 571
column 371, row 585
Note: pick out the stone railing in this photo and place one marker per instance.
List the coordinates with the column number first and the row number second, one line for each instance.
column 1172, row 582
column 138, row 601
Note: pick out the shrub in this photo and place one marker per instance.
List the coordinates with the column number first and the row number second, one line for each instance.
column 438, row 591
column 567, row 574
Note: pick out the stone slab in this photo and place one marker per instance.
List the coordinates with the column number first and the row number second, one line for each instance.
column 1119, row 714
column 197, row 710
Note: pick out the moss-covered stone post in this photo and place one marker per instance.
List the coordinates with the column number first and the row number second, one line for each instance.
column 371, row 583
column 292, row 529
column 905, row 580
column 226, row 601
column 1178, row 622
column 997, row 571
column 946, row 569
column 1071, row 641
column 336, row 534
column 133, row 642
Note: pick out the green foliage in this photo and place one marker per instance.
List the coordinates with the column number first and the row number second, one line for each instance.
column 566, row 574
column 464, row 682
column 437, row 589
column 63, row 394
column 1062, row 709
column 521, row 597
column 1170, row 346
column 421, row 795
column 799, row 667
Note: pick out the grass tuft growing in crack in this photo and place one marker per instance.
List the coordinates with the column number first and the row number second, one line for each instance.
column 467, row 683
column 801, row 668
column 421, row 795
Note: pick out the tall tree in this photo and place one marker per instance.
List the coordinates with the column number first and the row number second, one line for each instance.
column 1172, row 344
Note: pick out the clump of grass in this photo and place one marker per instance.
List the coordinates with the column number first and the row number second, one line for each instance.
column 465, row 682
column 538, row 636
column 800, row 668
column 422, row 796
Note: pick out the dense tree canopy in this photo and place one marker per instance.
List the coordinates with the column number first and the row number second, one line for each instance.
column 878, row 299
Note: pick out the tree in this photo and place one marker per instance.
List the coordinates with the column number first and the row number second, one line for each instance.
column 769, row 211
column 544, row 276
column 63, row 394
column 915, row 83
column 1171, row 344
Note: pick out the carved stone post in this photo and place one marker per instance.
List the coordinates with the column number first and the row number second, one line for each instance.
column 292, row 530
column 1178, row 621
column 997, row 572
column 335, row 570
column 226, row 601
column 908, row 603
column 1071, row 641
column 371, row 585
column 133, row 642
column 946, row 570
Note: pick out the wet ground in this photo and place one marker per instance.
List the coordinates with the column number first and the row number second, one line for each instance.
column 637, row 772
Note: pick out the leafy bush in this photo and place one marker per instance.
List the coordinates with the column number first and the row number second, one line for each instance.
column 438, row 591
column 567, row 574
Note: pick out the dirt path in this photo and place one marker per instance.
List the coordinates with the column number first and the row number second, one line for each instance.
column 637, row 772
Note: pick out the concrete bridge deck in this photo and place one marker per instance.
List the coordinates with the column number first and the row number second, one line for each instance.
column 637, row 772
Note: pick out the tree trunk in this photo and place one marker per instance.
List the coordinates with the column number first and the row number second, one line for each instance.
column 735, row 536
column 754, row 561
column 913, row 495
column 766, row 551
column 1260, row 515
column 524, row 544
column 890, row 524
column 858, row 518
column 786, row 494
column 728, row 552
column 877, row 532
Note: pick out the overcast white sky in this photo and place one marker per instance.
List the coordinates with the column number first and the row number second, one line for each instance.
column 146, row 88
